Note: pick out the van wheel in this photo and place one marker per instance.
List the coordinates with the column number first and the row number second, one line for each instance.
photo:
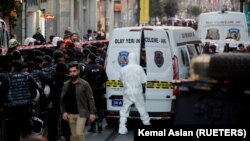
column 230, row 66
column 112, row 122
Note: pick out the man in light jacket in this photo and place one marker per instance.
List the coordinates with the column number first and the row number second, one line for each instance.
column 77, row 102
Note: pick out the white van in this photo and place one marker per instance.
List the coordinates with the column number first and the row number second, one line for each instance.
column 165, row 54
column 220, row 25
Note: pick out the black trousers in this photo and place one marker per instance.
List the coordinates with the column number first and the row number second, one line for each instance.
column 53, row 119
column 17, row 122
column 99, row 103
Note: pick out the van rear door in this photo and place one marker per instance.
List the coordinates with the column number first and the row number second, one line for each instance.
column 123, row 41
column 159, row 68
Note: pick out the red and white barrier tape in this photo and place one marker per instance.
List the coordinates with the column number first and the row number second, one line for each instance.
column 25, row 47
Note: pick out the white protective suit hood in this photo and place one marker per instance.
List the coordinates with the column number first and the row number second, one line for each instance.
column 132, row 58
column 55, row 40
column 132, row 76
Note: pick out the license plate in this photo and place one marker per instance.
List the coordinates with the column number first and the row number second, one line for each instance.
column 117, row 102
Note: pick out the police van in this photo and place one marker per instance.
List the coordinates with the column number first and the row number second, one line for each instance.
column 220, row 25
column 164, row 52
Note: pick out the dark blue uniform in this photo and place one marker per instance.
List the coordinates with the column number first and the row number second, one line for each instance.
column 96, row 76
column 17, row 92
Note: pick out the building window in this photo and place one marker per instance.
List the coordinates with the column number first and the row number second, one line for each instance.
column 32, row 3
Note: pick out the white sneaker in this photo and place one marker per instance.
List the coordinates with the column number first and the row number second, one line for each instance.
column 146, row 123
column 122, row 130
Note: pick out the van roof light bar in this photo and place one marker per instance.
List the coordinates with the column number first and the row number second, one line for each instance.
column 141, row 29
column 135, row 30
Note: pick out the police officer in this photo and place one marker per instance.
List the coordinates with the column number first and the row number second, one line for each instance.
column 41, row 80
column 60, row 76
column 37, row 72
column 47, row 66
column 17, row 91
column 96, row 77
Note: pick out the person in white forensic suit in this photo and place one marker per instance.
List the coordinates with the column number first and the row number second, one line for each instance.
column 132, row 76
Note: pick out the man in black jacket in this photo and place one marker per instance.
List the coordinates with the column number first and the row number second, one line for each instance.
column 39, row 37
column 96, row 77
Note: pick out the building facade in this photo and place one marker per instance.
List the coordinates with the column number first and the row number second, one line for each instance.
column 206, row 6
column 55, row 16
column 246, row 9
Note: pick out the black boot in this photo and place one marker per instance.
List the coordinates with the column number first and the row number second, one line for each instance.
column 99, row 123
column 92, row 127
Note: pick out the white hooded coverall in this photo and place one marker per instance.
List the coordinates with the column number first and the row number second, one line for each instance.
column 132, row 76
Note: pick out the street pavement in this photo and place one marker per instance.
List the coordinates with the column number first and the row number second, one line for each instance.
column 108, row 134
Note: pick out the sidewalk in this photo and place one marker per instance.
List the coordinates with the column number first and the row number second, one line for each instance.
column 99, row 136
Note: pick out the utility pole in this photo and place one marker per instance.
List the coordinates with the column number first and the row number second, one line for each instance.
column 24, row 20
column 138, row 12
column 241, row 5
column 105, row 27
column 127, row 12
column 111, row 18
column 71, row 18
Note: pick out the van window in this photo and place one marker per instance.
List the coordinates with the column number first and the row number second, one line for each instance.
column 183, row 62
column 192, row 50
column 143, row 58
column 199, row 48
column 184, row 57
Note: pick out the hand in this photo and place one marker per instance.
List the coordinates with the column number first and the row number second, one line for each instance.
column 50, row 105
column 92, row 117
column 65, row 116
column 33, row 112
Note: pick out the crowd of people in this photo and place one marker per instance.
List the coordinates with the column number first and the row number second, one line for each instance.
column 47, row 88
column 212, row 48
